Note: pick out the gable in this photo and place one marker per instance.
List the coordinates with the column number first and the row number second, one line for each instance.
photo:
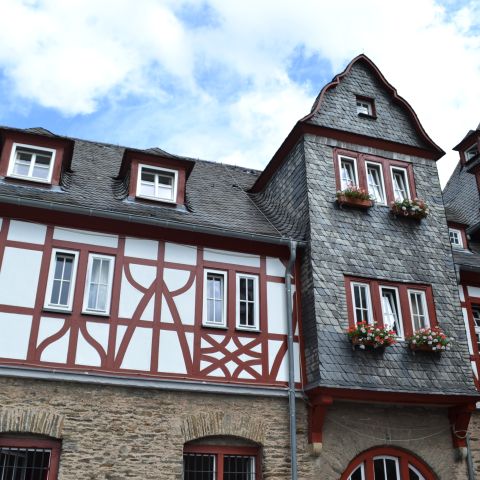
column 394, row 120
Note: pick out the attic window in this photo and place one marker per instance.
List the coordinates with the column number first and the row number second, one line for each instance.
column 365, row 107
column 471, row 152
column 157, row 183
column 31, row 163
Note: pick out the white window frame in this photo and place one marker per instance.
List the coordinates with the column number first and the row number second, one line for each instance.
column 205, row 321
column 476, row 328
column 91, row 258
column 364, row 103
column 382, row 182
column 369, row 301
column 141, row 166
column 11, row 163
column 256, row 309
column 405, row 172
column 51, row 273
column 354, row 160
column 388, row 457
column 467, row 150
column 400, row 333
column 458, row 233
column 425, row 307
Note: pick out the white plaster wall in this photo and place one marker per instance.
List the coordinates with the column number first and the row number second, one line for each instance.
column 85, row 236
column 14, row 335
column 19, row 277
column 224, row 256
column 184, row 254
column 26, row 232
column 141, row 248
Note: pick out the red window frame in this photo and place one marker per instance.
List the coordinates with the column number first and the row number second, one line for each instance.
column 53, row 445
column 405, row 459
column 385, row 165
column 221, row 450
column 376, row 302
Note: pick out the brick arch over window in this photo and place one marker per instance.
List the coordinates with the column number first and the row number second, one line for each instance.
column 31, row 420
column 405, row 461
column 221, row 424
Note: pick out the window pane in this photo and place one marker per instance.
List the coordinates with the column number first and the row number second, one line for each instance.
column 24, row 463
column 357, row 474
column 400, row 185
column 40, row 172
column 210, row 311
column 218, row 311
column 147, row 189
column 379, row 468
column 199, row 467
column 105, row 271
column 375, row 187
column 148, row 176
column 218, row 287
column 42, row 160
column 21, row 169
column 243, row 288
column 390, row 310
column 391, row 469
column 92, row 297
column 95, row 276
column 243, row 313
column 102, row 298
column 55, row 297
column 165, row 180
column 251, row 283
column 165, row 192
column 251, row 314
column 238, row 468
column 64, row 293
column 347, row 173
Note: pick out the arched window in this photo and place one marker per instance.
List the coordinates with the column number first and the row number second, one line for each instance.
column 386, row 463
column 221, row 458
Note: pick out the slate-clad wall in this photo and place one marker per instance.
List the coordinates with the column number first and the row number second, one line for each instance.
column 338, row 109
column 374, row 244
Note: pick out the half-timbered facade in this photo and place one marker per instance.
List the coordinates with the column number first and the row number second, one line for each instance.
column 165, row 317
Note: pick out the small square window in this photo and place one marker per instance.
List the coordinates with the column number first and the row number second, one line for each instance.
column 365, row 107
column 61, row 280
column 348, row 172
column 98, row 286
column 215, row 299
column 471, row 152
column 157, row 183
column 31, row 163
column 455, row 237
column 247, row 302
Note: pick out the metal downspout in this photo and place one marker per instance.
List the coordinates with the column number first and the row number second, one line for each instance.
column 291, row 359
column 471, row 472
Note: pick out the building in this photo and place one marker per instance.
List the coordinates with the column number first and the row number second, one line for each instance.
column 461, row 196
column 163, row 317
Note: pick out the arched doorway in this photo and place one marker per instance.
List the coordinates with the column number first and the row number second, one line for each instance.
column 387, row 463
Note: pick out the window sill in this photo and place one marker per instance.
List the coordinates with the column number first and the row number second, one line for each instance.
column 57, row 310
column 96, row 314
column 245, row 329
column 155, row 199
column 366, row 115
column 215, row 327
column 19, row 178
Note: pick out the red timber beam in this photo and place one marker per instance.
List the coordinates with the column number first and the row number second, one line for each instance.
column 460, row 408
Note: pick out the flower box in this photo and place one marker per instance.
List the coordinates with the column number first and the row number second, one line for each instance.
column 370, row 335
column 354, row 202
column 429, row 340
column 414, row 209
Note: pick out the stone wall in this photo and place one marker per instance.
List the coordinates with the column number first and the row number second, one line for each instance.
column 474, row 430
column 118, row 433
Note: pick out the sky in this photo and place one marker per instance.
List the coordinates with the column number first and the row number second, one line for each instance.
column 226, row 80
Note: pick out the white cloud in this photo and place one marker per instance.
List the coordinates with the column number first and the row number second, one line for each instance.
column 85, row 56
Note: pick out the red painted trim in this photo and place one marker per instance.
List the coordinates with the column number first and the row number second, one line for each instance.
column 3, row 238
column 300, row 129
column 53, row 445
column 405, row 458
column 459, row 417
column 406, row 398
column 63, row 151
column 103, row 225
column 316, row 417
column 402, row 288
column 220, row 451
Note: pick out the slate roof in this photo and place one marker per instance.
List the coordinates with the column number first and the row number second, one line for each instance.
column 461, row 198
column 215, row 193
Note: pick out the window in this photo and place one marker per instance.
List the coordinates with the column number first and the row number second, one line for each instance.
column 25, row 459
column 214, row 309
column 247, row 301
column 400, row 184
column 61, row 280
column 365, row 106
column 418, row 308
column 31, row 163
column 157, row 183
column 348, row 172
column 455, row 237
column 391, row 310
column 208, row 462
column 400, row 307
column 385, row 180
column 476, row 322
column 98, row 286
column 362, row 303
column 375, row 182
column 387, row 463
column 471, row 152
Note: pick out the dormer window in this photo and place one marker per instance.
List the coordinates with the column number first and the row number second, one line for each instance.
column 471, row 152
column 365, row 107
column 31, row 163
column 157, row 183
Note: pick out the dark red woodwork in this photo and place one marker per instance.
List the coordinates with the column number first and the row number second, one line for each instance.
column 404, row 457
column 403, row 298
column 317, row 412
column 385, row 165
column 459, row 417
column 63, row 152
